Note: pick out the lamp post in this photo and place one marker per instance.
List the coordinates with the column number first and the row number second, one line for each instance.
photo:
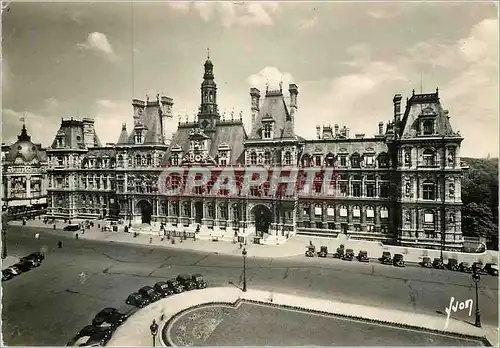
column 4, row 242
column 154, row 331
column 244, row 253
column 476, row 278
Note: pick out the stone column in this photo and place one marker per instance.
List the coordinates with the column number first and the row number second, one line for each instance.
column 377, row 189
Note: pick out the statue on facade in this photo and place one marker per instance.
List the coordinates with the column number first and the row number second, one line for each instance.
column 407, row 158
column 452, row 189
column 408, row 217
column 407, row 189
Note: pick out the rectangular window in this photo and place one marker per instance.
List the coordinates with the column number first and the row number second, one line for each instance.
column 369, row 160
column 318, row 211
column 428, row 218
column 369, row 213
column 356, row 213
column 318, row 161
column 211, row 212
column 330, row 211
column 356, row 190
column 384, row 191
column 384, row 213
column 343, row 212
column 306, row 211
column 343, row 161
column 370, row 190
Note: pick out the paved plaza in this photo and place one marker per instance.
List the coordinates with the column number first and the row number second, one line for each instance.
column 111, row 271
column 263, row 325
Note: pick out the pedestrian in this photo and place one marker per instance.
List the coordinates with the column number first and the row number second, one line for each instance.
column 54, row 226
column 59, row 244
column 150, row 240
column 76, row 235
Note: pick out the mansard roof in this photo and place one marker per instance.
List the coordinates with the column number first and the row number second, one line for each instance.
column 274, row 107
column 72, row 132
column 150, row 120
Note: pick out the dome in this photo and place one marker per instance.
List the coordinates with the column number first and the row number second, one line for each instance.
column 208, row 62
column 23, row 148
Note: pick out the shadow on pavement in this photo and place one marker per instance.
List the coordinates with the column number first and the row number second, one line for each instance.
column 236, row 286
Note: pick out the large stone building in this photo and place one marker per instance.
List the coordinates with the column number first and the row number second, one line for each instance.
column 24, row 190
column 401, row 185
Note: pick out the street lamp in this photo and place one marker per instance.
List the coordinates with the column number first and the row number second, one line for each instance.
column 476, row 278
column 244, row 253
column 4, row 243
column 154, row 331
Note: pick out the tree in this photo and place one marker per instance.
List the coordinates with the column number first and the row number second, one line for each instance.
column 480, row 199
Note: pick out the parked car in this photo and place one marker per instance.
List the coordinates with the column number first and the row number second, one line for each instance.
column 311, row 250
column 149, row 293
column 386, row 258
column 363, row 256
column 73, row 228
column 491, row 269
column 37, row 256
column 135, row 299
column 199, row 281
column 398, row 260
column 23, row 266
column 453, row 265
column 98, row 339
column 186, row 281
column 175, row 286
column 323, row 251
column 15, row 270
column 7, row 275
column 465, row 267
column 86, row 333
column 348, row 255
column 33, row 262
column 426, row 262
column 339, row 253
column 109, row 315
column 163, row 289
column 438, row 263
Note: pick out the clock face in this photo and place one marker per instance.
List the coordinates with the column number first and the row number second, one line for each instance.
column 204, row 124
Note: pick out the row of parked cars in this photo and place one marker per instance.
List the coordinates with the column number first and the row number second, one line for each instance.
column 149, row 294
column 349, row 255
column 99, row 332
column 101, row 329
column 454, row 265
column 24, row 265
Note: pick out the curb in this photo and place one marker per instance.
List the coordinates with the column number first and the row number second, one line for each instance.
column 167, row 341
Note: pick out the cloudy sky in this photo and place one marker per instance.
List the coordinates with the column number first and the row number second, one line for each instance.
column 348, row 60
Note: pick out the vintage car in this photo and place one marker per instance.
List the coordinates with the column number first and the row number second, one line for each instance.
column 386, row 258
column 363, row 256
column 163, row 289
column 348, row 255
column 73, row 228
column 31, row 261
column 24, row 266
column 398, row 260
column 186, row 281
column 437, row 263
column 465, row 267
column 38, row 256
column 453, row 265
column 311, row 250
column 199, row 281
column 7, row 275
column 149, row 293
column 323, row 251
column 176, row 287
column 491, row 269
column 109, row 315
column 426, row 262
column 339, row 253
column 87, row 333
column 135, row 299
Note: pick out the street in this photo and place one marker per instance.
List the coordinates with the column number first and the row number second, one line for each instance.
column 49, row 304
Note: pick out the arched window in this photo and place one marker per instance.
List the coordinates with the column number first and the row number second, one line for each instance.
column 428, row 190
column 267, row 158
column 288, row 158
column 428, row 158
column 343, row 211
column 253, row 158
column 355, row 161
column 330, row 160
column 384, row 213
column 356, row 211
column 306, row 161
column 428, row 127
column 267, row 131
column 370, row 212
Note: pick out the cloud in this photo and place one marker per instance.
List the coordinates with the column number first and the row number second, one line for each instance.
column 234, row 13
column 98, row 42
column 272, row 76
column 109, row 117
column 41, row 128
column 51, row 104
column 309, row 23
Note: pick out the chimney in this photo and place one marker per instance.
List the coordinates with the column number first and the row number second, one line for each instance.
column 294, row 92
column 381, row 128
column 255, row 99
column 397, row 107
column 318, row 132
column 336, row 130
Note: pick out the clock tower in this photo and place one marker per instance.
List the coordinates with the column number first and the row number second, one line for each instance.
column 208, row 114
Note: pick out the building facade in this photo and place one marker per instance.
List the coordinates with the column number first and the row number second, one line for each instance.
column 401, row 185
column 24, row 177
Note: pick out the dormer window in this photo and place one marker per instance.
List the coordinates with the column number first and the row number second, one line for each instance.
column 175, row 159
column 267, row 131
column 138, row 138
column 288, row 158
column 428, row 127
column 267, row 158
column 253, row 158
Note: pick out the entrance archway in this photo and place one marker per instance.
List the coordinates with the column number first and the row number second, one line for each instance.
column 263, row 219
column 146, row 210
column 198, row 207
